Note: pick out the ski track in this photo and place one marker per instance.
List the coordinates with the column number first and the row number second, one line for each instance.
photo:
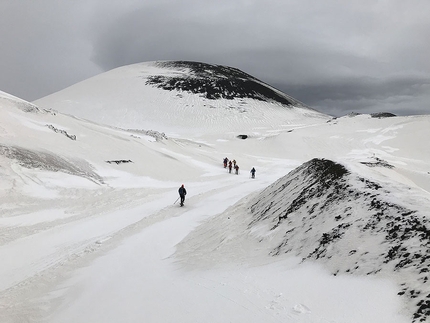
column 57, row 251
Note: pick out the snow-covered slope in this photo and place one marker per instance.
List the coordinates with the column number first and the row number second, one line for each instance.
column 180, row 97
column 53, row 161
column 45, row 139
column 88, row 209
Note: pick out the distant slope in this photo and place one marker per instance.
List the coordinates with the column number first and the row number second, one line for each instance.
column 188, row 97
column 40, row 142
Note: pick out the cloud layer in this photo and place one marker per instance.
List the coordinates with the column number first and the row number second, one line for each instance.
column 335, row 56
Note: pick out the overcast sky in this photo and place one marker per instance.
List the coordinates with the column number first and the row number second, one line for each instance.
column 336, row 56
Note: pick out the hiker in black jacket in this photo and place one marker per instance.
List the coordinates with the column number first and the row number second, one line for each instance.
column 182, row 192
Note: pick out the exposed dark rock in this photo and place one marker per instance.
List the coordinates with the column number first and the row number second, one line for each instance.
column 152, row 133
column 216, row 82
column 73, row 137
column 120, row 161
column 378, row 163
column 381, row 115
column 242, row 136
column 353, row 114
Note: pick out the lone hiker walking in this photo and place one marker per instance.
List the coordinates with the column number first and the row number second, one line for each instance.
column 253, row 172
column 182, row 192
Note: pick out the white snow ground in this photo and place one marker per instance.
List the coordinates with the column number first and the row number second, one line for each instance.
column 83, row 240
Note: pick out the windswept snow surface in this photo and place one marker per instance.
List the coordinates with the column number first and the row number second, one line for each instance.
column 90, row 231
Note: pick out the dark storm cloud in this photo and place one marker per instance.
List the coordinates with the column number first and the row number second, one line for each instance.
column 405, row 96
column 340, row 62
column 336, row 56
column 166, row 33
column 43, row 48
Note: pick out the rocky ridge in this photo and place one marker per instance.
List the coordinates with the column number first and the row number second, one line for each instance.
column 323, row 212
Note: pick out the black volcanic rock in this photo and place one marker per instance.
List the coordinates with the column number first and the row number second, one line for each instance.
column 381, row 115
column 216, row 82
column 377, row 162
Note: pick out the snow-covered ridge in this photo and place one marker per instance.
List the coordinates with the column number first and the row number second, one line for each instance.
column 17, row 102
column 324, row 212
column 48, row 161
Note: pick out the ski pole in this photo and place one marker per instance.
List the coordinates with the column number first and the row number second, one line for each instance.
column 176, row 200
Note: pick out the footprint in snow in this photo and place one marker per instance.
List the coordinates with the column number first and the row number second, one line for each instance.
column 301, row 309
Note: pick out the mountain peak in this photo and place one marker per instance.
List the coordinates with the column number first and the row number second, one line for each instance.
column 184, row 97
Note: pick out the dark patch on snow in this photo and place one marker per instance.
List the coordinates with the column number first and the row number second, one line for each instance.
column 327, row 238
column 344, row 220
column 216, row 81
column 378, row 163
column 63, row 132
column 242, row 136
column 353, row 114
column 152, row 133
column 381, row 115
column 120, row 161
column 50, row 162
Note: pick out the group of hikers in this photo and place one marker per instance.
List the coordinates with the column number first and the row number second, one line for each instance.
column 232, row 164
column 227, row 163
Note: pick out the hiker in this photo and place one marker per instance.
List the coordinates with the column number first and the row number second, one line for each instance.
column 234, row 163
column 182, row 192
column 253, row 172
column 237, row 169
column 229, row 166
column 225, row 162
